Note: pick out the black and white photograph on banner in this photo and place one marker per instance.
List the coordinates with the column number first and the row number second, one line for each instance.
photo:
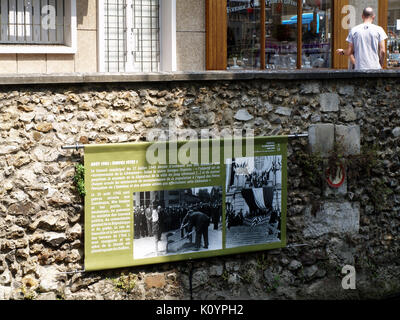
column 177, row 221
column 253, row 200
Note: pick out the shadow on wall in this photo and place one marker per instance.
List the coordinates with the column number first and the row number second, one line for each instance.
column 81, row 10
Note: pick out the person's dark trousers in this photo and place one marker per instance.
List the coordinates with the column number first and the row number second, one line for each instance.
column 203, row 231
column 149, row 227
column 205, row 236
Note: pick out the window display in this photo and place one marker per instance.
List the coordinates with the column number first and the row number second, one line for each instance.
column 281, row 35
column 243, row 34
column 272, row 26
column 316, row 34
column 393, row 42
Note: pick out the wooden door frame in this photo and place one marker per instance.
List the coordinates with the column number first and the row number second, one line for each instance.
column 383, row 8
column 216, row 35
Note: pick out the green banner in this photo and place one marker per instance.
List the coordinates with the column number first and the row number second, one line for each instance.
column 158, row 202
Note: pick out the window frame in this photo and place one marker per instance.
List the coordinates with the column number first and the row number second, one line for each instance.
column 167, row 37
column 70, row 38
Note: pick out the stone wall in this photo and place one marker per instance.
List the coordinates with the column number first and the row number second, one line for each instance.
column 41, row 214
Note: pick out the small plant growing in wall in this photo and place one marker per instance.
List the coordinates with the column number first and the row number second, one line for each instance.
column 79, row 179
column 126, row 283
column 276, row 281
column 311, row 164
column 262, row 262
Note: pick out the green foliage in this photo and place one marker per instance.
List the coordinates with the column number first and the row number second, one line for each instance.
column 336, row 156
column 225, row 275
column 126, row 283
column 378, row 193
column 362, row 164
column 28, row 293
column 79, row 179
column 247, row 276
column 276, row 281
column 262, row 262
column 311, row 164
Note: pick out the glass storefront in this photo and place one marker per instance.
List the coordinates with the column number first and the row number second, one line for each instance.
column 259, row 39
column 393, row 42
column 280, row 21
column 243, row 34
column 281, row 35
column 316, row 34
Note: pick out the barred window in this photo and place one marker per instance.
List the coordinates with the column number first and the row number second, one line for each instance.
column 115, row 35
column 146, row 27
column 131, row 36
column 33, row 21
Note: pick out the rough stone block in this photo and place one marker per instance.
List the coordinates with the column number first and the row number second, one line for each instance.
column 47, row 296
column 347, row 113
column 321, row 138
column 349, row 137
column 5, row 293
column 155, row 281
column 310, row 88
column 243, row 115
column 329, row 102
column 49, row 280
column 200, row 278
column 284, row 111
column 216, row 270
column 334, row 217
column 346, row 90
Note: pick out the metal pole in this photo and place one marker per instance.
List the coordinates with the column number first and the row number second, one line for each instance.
column 298, row 135
column 81, row 146
column 76, row 147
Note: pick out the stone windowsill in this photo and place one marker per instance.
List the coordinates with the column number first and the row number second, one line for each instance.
column 76, row 78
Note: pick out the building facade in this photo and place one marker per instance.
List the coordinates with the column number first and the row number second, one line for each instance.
column 84, row 36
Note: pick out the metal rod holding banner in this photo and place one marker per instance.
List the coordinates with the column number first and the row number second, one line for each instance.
column 76, row 147
column 81, row 146
column 298, row 135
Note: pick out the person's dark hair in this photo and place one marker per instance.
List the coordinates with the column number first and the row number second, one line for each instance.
column 368, row 12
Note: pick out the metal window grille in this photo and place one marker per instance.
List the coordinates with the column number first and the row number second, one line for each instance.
column 146, row 27
column 29, row 21
column 115, row 37
column 131, row 35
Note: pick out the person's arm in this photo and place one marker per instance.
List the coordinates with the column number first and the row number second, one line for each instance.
column 346, row 52
column 352, row 59
column 382, row 53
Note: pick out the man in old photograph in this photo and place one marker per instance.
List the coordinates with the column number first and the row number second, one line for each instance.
column 253, row 200
column 183, row 220
column 198, row 221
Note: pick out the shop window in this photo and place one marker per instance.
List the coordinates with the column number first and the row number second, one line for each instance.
column 266, row 35
column 393, row 42
column 38, row 26
column 243, row 34
column 316, row 34
column 281, row 35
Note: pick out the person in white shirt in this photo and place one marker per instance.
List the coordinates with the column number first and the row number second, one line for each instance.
column 367, row 43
